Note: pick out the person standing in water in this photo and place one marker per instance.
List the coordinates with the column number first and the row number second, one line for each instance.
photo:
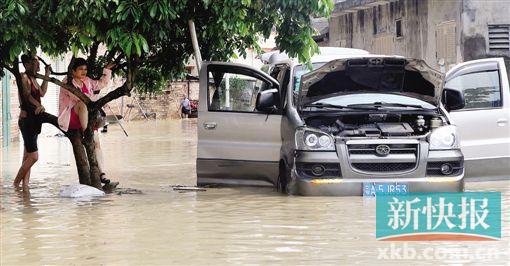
column 29, row 121
column 185, row 107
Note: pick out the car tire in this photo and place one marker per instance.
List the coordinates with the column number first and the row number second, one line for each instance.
column 283, row 178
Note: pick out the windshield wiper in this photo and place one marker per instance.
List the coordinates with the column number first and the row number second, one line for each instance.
column 327, row 105
column 385, row 104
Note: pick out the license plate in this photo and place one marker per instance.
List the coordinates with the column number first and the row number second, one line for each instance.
column 372, row 189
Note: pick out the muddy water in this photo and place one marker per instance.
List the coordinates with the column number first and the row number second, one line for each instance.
column 219, row 226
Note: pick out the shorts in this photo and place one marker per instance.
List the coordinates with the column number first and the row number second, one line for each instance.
column 29, row 136
column 186, row 111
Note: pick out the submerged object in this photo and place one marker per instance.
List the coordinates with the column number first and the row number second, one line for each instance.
column 79, row 190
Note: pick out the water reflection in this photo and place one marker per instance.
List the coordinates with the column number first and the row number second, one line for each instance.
column 163, row 226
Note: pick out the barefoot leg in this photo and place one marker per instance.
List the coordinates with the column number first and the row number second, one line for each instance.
column 81, row 110
column 18, row 178
column 23, row 173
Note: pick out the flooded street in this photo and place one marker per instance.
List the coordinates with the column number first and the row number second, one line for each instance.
column 161, row 226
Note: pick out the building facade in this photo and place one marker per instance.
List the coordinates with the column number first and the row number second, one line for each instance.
column 9, row 110
column 442, row 32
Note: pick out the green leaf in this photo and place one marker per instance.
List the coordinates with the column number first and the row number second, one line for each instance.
column 152, row 11
column 136, row 41
column 74, row 49
column 145, row 46
column 128, row 49
column 120, row 8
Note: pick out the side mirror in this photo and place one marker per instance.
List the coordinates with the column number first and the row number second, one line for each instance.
column 267, row 100
column 453, row 99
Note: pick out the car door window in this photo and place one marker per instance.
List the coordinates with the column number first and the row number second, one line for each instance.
column 233, row 92
column 481, row 90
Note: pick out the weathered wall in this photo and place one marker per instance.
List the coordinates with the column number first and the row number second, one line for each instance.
column 14, row 112
column 360, row 29
column 441, row 12
column 166, row 105
column 476, row 16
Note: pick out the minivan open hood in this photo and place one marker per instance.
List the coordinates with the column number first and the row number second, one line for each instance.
column 392, row 74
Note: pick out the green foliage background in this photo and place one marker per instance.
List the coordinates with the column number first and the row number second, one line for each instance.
column 152, row 36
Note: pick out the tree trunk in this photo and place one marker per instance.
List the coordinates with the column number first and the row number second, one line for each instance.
column 90, row 148
column 80, row 156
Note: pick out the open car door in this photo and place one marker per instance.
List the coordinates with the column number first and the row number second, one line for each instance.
column 484, row 122
column 237, row 144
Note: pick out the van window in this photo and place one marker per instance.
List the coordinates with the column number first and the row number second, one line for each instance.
column 234, row 92
column 481, row 89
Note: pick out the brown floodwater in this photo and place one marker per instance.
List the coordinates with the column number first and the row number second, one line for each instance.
column 217, row 227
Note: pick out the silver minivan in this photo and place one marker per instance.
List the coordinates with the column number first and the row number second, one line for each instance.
column 358, row 124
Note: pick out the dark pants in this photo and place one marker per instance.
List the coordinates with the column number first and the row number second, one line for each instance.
column 30, row 129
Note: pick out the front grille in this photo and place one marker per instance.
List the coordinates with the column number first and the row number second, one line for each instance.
column 434, row 168
column 383, row 167
column 375, row 163
column 394, row 148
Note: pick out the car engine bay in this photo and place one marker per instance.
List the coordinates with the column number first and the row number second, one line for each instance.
column 376, row 124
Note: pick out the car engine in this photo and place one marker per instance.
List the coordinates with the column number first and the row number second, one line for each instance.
column 376, row 125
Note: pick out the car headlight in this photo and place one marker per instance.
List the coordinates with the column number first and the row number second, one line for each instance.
column 309, row 139
column 444, row 138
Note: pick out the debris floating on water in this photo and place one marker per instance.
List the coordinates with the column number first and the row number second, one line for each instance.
column 121, row 191
column 187, row 188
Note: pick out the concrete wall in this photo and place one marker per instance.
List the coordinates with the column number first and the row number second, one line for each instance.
column 13, row 112
column 441, row 12
column 359, row 29
column 166, row 105
column 476, row 16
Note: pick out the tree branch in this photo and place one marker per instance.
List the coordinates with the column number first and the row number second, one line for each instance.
column 110, row 55
column 91, row 60
column 115, row 94
column 52, row 72
column 58, row 73
column 77, row 92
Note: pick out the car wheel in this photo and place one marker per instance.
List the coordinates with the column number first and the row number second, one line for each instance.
column 283, row 178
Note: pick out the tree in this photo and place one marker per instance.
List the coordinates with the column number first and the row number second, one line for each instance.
column 146, row 35
column 149, row 80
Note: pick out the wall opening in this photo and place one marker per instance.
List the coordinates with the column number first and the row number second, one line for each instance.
column 499, row 38
column 398, row 28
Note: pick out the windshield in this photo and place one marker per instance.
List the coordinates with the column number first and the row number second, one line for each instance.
column 371, row 98
column 300, row 70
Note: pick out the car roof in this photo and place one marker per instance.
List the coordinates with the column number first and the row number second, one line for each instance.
column 325, row 54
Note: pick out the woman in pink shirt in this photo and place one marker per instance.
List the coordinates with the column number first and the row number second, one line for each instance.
column 73, row 113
